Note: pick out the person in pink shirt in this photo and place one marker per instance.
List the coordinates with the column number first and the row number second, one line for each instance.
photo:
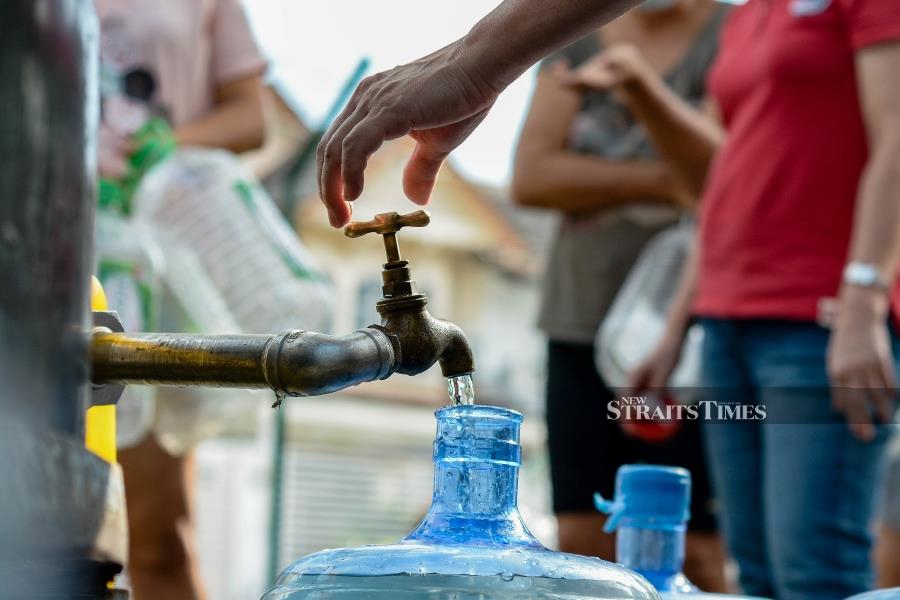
column 195, row 64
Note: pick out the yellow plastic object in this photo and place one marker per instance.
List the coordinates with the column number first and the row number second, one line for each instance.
column 100, row 422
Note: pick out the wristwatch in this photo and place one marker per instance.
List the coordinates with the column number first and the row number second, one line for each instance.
column 865, row 275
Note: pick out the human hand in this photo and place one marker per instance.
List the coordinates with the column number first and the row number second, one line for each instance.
column 618, row 66
column 438, row 100
column 649, row 381
column 860, row 364
column 675, row 187
column 654, row 372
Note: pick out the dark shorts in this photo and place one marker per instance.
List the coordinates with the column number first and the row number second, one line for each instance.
column 586, row 448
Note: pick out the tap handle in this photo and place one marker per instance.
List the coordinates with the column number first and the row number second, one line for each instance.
column 386, row 223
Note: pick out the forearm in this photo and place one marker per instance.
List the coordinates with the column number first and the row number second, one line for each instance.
column 876, row 235
column 679, row 318
column 570, row 182
column 683, row 135
column 237, row 126
column 530, row 30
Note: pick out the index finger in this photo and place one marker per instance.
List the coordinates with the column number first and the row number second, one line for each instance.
column 329, row 192
column 856, row 406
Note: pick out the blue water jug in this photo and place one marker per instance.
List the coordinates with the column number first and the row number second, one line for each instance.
column 649, row 514
column 472, row 543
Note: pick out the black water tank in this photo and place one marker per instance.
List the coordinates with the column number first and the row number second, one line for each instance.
column 52, row 491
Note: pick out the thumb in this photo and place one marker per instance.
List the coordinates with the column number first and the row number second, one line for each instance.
column 421, row 172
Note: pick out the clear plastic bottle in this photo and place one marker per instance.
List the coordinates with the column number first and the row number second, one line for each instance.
column 472, row 543
column 129, row 266
column 649, row 515
column 206, row 202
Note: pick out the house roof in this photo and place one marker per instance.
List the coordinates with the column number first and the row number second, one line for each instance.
column 286, row 134
column 535, row 226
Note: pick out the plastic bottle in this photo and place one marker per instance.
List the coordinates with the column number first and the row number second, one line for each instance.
column 128, row 265
column 649, row 514
column 207, row 202
column 472, row 543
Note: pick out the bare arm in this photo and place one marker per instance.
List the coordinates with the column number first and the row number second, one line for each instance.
column 859, row 356
column 236, row 123
column 685, row 137
column 549, row 175
column 441, row 98
column 679, row 318
column 532, row 29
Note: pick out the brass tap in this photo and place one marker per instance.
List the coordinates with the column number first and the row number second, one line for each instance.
column 387, row 225
column 424, row 339
column 299, row 363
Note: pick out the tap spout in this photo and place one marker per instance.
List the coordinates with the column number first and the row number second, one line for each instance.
column 292, row 363
column 455, row 356
column 425, row 340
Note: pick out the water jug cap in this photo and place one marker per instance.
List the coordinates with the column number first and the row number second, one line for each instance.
column 648, row 496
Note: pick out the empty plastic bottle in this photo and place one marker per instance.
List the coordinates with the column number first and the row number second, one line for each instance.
column 472, row 544
column 206, row 201
column 129, row 265
column 649, row 514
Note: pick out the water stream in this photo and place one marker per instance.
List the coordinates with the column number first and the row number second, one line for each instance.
column 461, row 390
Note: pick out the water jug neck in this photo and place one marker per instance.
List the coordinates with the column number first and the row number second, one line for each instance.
column 657, row 554
column 650, row 512
column 476, row 474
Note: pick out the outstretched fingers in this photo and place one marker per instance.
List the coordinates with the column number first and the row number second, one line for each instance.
column 344, row 152
column 361, row 143
column 328, row 167
column 421, row 172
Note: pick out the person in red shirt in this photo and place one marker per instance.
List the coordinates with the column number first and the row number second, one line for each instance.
column 794, row 275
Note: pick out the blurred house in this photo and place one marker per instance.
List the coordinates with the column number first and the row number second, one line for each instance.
column 357, row 463
column 286, row 134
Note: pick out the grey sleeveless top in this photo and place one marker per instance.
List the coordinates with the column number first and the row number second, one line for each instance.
column 593, row 252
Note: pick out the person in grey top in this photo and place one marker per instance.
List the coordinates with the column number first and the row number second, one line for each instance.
column 583, row 154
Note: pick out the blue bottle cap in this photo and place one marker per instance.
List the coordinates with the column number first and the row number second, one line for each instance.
column 648, row 496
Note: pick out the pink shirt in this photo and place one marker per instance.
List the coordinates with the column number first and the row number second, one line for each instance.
column 168, row 57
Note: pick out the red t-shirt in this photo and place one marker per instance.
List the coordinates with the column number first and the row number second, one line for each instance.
column 777, row 212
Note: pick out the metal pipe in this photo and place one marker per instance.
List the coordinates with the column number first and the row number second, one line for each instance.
column 292, row 363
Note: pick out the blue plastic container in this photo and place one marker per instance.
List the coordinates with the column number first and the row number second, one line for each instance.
column 472, row 544
column 649, row 514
